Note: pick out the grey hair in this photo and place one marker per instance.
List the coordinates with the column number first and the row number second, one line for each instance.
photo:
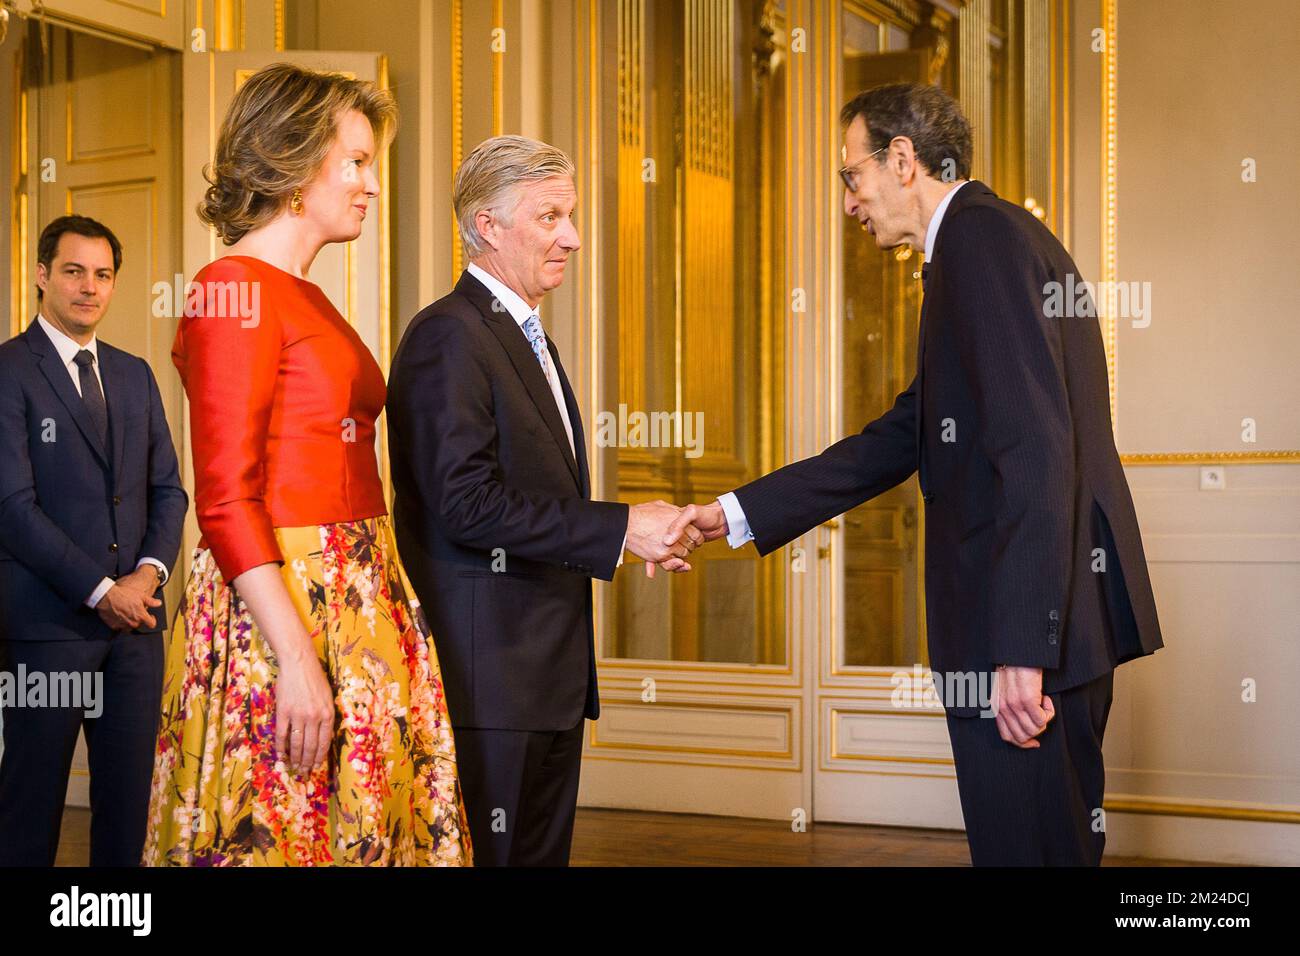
column 492, row 172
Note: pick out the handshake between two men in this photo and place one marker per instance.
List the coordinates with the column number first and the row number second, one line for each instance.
column 664, row 535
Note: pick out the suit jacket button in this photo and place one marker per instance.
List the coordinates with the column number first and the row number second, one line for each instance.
column 117, row 499
column 928, row 499
column 113, row 546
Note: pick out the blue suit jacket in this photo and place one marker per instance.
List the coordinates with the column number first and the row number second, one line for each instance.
column 73, row 512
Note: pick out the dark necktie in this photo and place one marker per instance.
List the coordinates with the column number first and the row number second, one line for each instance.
column 92, row 394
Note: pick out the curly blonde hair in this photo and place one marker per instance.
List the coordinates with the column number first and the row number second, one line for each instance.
column 276, row 134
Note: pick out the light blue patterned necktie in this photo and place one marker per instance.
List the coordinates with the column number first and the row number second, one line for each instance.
column 537, row 339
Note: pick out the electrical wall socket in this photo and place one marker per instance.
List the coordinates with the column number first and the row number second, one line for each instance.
column 1213, row 478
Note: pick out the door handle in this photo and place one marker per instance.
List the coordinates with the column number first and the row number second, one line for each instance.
column 824, row 550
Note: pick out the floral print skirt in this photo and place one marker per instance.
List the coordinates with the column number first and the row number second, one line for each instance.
column 387, row 795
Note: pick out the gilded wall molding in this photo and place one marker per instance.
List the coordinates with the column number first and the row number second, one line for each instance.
column 19, row 277
column 457, row 59
column 498, row 71
column 1213, row 811
column 1213, row 458
column 385, row 280
column 1109, row 211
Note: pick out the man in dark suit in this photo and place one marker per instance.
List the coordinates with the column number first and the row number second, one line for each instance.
column 492, row 507
column 91, row 509
column 1034, row 566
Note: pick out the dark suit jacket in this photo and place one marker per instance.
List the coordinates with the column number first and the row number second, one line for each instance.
column 482, row 470
column 73, row 512
column 1030, row 482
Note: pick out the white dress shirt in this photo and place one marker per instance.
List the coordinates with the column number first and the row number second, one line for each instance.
column 68, row 350
column 521, row 312
column 932, row 230
column 738, row 531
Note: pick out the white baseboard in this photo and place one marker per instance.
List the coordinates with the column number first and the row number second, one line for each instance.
column 1202, row 839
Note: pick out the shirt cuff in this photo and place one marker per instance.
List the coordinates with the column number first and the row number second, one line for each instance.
column 97, row 595
column 162, row 571
column 738, row 532
column 621, row 550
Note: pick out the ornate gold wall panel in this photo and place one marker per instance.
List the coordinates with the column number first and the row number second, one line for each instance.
column 708, row 248
column 633, row 292
column 973, row 85
column 697, row 130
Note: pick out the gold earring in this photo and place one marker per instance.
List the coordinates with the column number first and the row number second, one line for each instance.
column 295, row 202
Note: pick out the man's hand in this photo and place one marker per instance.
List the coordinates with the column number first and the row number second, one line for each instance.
column 649, row 537
column 126, row 605
column 709, row 519
column 1022, row 710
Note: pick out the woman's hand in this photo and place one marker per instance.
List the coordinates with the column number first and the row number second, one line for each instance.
column 304, row 714
column 304, row 700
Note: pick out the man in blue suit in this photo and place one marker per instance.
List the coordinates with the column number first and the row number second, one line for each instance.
column 91, row 510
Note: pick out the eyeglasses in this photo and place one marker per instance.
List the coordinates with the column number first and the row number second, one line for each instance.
column 849, row 173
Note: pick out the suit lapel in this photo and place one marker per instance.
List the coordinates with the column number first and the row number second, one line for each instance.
column 115, row 389
column 922, row 333
column 966, row 194
column 515, row 343
column 56, row 373
column 575, row 419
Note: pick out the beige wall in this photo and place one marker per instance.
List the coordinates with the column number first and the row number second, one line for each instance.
column 1200, row 86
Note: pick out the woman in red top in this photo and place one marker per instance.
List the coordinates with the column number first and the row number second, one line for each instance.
column 303, row 715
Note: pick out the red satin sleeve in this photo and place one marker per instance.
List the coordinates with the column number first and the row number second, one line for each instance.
column 229, row 366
